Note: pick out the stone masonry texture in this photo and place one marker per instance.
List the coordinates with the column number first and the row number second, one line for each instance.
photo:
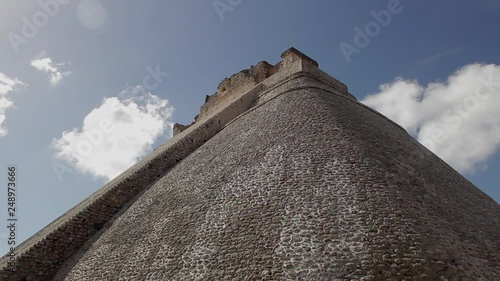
column 308, row 186
column 293, row 180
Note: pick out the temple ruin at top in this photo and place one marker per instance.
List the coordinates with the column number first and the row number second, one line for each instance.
column 283, row 175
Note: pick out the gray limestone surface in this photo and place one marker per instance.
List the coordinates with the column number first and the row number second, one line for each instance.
column 306, row 185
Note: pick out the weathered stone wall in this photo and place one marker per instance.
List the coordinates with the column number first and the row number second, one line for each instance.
column 50, row 249
column 230, row 88
column 42, row 255
column 178, row 128
column 306, row 185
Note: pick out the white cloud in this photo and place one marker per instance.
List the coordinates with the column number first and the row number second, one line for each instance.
column 458, row 120
column 53, row 69
column 7, row 85
column 116, row 134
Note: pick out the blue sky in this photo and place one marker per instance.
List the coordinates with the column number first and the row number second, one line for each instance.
column 143, row 65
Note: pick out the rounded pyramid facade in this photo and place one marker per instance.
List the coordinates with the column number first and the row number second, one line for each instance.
column 308, row 184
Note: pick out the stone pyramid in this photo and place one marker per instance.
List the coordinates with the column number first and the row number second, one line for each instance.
column 284, row 175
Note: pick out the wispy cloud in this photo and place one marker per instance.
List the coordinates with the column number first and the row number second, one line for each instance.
column 7, row 85
column 116, row 134
column 432, row 60
column 441, row 55
column 53, row 69
column 458, row 120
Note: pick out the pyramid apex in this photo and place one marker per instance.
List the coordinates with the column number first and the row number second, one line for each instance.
column 294, row 52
